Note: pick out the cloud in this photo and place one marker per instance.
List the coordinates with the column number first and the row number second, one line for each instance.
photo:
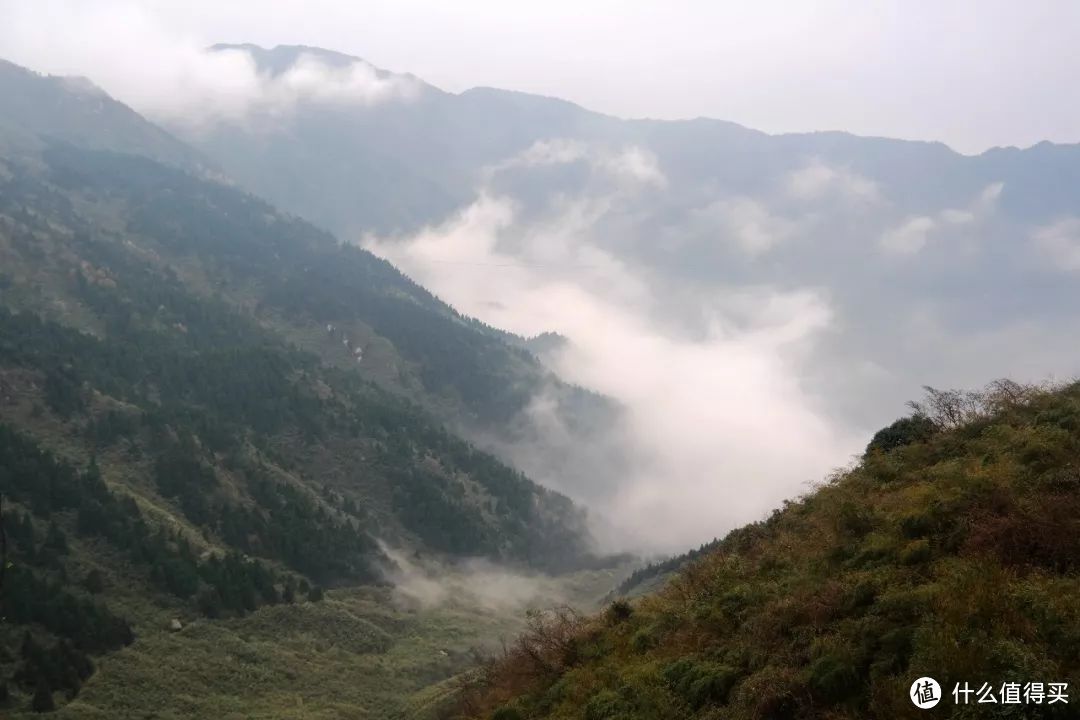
column 636, row 165
column 129, row 52
column 718, row 428
column 817, row 181
column 470, row 583
column 1059, row 243
column 911, row 236
column 629, row 167
column 746, row 223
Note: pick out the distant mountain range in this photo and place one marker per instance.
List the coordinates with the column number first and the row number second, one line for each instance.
column 932, row 264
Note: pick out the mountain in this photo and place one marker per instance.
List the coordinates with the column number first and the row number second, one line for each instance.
column 924, row 264
column 191, row 430
column 42, row 109
column 433, row 147
column 950, row 551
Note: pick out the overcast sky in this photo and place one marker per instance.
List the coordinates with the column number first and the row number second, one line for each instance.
column 972, row 73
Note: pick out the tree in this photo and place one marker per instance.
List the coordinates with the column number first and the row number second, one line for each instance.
column 55, row 539
column 43, row 699
column 94, row 582
column 905, row 431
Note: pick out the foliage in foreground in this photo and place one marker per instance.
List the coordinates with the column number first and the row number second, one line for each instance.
column 951, row 550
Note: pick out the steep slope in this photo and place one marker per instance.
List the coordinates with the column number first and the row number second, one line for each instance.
column 473, row 378
column 952, row 550
column 105, row 244
column 168, row 451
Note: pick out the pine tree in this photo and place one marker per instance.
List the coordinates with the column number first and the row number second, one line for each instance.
column 56, row 540
column 94, row 582
column 43, row 699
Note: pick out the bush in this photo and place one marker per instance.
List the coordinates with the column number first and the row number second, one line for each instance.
column 916, row 553
column 507, row 713
column 905, row 431
column 94, row 582
column 833, row 678
column 606, row 705
column 643, row 640
column 43, row 699
column 619, row 611
column 701, row 683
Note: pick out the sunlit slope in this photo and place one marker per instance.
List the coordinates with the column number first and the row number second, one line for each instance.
column 951, row 550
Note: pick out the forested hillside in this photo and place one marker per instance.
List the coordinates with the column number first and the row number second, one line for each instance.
column 190, row 424
column 952, row 550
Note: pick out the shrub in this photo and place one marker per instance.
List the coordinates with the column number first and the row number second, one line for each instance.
column 916, row 553
column 643, row 640
column 619, row 611
column 607, row 705
column 701, row 683
column 507, row 713
column 905, row 431
column 833, row 678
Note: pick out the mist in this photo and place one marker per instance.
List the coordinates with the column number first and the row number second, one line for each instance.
column 719, row 427
column 470, row 583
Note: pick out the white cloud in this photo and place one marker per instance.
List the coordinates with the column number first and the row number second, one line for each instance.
column 817, row 181
column 635, row 165
column 470, row 584
column 746, row 223
column 128, row 51
column 630, row 166
column 558, row 151
column 909, row 238
column 1060, row 243
column 718, row 427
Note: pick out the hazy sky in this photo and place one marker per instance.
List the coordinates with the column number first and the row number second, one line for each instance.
column 972, row 73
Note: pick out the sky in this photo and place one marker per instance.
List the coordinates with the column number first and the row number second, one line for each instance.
column 973, row 74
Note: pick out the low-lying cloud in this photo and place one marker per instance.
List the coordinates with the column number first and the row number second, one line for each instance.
column 470, row 583
column 718, row 427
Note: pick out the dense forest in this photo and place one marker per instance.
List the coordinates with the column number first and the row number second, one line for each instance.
column 153, row 422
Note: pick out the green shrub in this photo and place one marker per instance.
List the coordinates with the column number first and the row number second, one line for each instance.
column 916, row 553
column 619, row 611
column 701, row 683
column 507, row 712
column 606, row 705
column 834, row 677
column 905, row 431
column 643, row 640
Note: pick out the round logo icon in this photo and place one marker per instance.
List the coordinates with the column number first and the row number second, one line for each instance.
column 925, row 693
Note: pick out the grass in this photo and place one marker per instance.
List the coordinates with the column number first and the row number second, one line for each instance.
column 361, row 653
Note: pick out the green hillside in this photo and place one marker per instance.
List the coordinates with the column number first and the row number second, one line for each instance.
column 170, row 448
column 952, row 550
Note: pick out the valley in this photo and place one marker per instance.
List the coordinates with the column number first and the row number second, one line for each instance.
column 326, row 392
